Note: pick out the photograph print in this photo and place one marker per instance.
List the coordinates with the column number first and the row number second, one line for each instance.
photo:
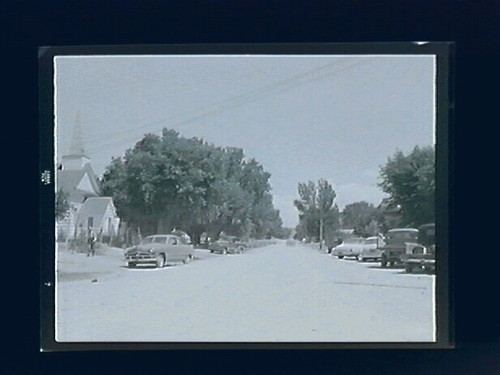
column 245, row 197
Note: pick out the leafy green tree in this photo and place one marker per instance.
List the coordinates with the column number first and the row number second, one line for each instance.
column 308, row 212
column 62, row 204
column 317, row 211
column 360, row 216
column 169, row 181
column 410, row 182
column 326, row 210
column 388, row 215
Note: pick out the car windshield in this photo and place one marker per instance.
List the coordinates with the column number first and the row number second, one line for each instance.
column 402, row 235
column 353, row 240
column 146, row 241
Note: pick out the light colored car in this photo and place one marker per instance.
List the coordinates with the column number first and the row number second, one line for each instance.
column 158, row 250
column 350, row 247
column 371, row 249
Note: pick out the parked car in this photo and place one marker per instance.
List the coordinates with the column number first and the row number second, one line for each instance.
column 395, row 245
column 421, row 255
column 371, row 249
column 158, row 250
column 350, row 247
column 228, row 245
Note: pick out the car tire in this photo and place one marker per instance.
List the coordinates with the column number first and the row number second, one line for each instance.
column 409, row 268
column 131, row 265
column 188, row 259
column 161, row 261
column 224, row 251
column 383, row 262
column 340, row 256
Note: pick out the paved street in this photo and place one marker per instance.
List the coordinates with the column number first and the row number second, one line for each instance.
column 276, row 293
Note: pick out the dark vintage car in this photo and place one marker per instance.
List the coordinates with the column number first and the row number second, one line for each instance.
column 421, row 255
column 395, row 245
column 158, row 250
column 228, row 245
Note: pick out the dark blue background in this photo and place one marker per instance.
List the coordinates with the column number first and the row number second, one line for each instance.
column 472, row 25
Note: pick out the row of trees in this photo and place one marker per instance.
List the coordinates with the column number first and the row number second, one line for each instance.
column 169, row 181
column 408, row 180
column 317, row 211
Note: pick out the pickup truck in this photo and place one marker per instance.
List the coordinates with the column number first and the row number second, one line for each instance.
column 421, row 255
column 395, row 245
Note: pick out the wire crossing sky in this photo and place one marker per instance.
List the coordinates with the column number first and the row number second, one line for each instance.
column 302, row 117
column 229, row 103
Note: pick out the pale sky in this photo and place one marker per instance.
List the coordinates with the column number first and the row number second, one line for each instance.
column 302, row 117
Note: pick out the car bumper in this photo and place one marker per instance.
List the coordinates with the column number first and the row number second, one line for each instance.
column 422, row 262
column 370, row 256
column 140, row 259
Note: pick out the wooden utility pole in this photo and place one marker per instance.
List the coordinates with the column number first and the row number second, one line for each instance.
column 321, row 229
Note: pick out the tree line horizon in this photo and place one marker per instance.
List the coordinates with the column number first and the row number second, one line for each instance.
column 407, row 179
column 167, row 182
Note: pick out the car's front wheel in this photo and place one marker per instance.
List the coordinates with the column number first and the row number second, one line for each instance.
column 161, row 261
column 131, row 264
column 340, row 256
column 224, row 251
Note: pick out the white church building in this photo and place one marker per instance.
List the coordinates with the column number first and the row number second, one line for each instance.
column 88, row 209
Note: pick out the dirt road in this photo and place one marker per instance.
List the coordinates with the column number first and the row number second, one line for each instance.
column 277, row 293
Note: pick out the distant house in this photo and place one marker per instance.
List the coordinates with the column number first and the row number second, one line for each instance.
column 88, row 210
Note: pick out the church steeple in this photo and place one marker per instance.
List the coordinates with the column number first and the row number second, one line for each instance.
column 76, row 147
column 76, row 158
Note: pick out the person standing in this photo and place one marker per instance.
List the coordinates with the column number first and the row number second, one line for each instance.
column 91, row 243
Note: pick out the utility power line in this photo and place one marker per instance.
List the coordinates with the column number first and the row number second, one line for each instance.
column 193, row 115
column 228, row 104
